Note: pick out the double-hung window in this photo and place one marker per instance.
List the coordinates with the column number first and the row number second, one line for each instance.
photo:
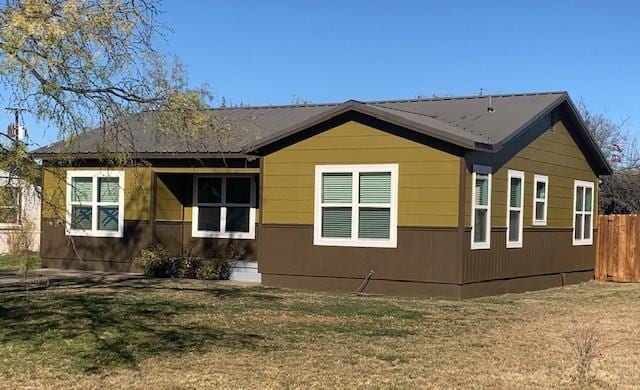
column 540, row 199
column 583, row 213
column 95, row 203
column 10, row 202
column 356, row 205
column 481, row 207
column 515, row 194
column 223, row 207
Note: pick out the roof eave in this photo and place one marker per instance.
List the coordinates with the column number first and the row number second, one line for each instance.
column 141, row 155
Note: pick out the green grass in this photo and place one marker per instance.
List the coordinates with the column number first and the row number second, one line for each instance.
column 164, row 334
column 16, row 262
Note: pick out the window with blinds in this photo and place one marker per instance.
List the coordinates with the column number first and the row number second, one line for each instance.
column 540, row 197
column 481, row 208
column 95, row 203
column 515, row 195
column 355, row 205
column 223, row 206
column 583, row 213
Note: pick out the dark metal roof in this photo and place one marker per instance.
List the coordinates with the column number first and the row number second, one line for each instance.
column 470, row 122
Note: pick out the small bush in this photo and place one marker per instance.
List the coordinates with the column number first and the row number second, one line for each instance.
column 189, row 267
column 586, row 344
column 214, row 269
column 21, row 241
column 154, row 262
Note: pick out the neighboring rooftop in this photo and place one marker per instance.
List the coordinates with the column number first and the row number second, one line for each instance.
column 466, row 121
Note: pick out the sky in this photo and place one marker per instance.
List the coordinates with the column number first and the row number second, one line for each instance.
column 279, row 52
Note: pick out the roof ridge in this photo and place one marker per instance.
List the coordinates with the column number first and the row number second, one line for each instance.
column 263, row 107
column 452, row 124
column 434, row 98
column 466, row 97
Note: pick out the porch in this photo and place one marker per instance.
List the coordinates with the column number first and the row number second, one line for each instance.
column 208, row 212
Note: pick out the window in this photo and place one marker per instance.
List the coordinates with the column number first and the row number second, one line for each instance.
column 356, row 205
column 540, row 197
column 95, row 203
column 223, row 207
column 515, row 194
column 583, row 213
column 481, row 207
column 10, row 202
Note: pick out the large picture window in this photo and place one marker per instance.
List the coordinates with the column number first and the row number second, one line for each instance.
column 223, row 207
column 540, row 199
column 10, row 202
column 481, row 208
column 515, row 194
column 583, row 213
column 356, row 205
column 95, row 203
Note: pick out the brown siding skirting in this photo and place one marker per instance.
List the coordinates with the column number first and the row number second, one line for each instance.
column 417, row 289
column 425, row 262
column 375, row 286
column 422, row 255
column 175, row 236
column 522, row 284
column 116, row 254
column 545, row 251
column 97, row 253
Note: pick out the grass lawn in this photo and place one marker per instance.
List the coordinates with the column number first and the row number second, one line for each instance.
column 197, row 335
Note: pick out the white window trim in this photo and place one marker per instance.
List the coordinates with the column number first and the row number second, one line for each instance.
column 519, row 175
column 584, row 184
column 354, row 241
column 94, row 232
column 540, row 179
column 13, row 182
column 250, row 235
column 481, row 244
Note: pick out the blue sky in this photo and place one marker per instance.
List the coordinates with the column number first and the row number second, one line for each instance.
column 269, row 52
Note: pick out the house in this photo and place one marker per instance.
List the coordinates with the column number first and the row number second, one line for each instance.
column 458, row 196
column 19, row 204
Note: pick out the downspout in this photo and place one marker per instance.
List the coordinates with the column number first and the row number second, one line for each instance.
column 152, row 206
column 259, row 201
column 462, row 183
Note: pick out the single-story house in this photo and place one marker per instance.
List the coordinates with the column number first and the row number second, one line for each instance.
column 457, row 196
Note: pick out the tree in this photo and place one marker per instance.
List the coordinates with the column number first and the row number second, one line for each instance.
column 619, row 192
column 92, row 64
column 80, row 64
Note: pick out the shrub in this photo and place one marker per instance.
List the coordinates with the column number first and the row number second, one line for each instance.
column 21, row 241
column 189, row 267
column 154, row 262
column 214, row 269
column 586, row 344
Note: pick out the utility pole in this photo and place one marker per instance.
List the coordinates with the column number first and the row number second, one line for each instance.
column 15, row 130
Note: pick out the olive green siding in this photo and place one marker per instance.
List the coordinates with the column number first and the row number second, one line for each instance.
column 428, row 178
column 554, row 154
column 170, row 197
column 137, row 192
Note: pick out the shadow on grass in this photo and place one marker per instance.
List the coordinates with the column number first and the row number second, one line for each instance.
column 93, row 332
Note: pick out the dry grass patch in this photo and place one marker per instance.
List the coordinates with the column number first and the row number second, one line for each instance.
column 200, row 335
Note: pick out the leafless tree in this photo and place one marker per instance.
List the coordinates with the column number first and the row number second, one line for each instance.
column 620, row 192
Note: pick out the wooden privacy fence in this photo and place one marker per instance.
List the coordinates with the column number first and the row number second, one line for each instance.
column 618, row 257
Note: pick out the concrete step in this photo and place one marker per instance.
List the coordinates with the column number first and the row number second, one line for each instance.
column 245, row 271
